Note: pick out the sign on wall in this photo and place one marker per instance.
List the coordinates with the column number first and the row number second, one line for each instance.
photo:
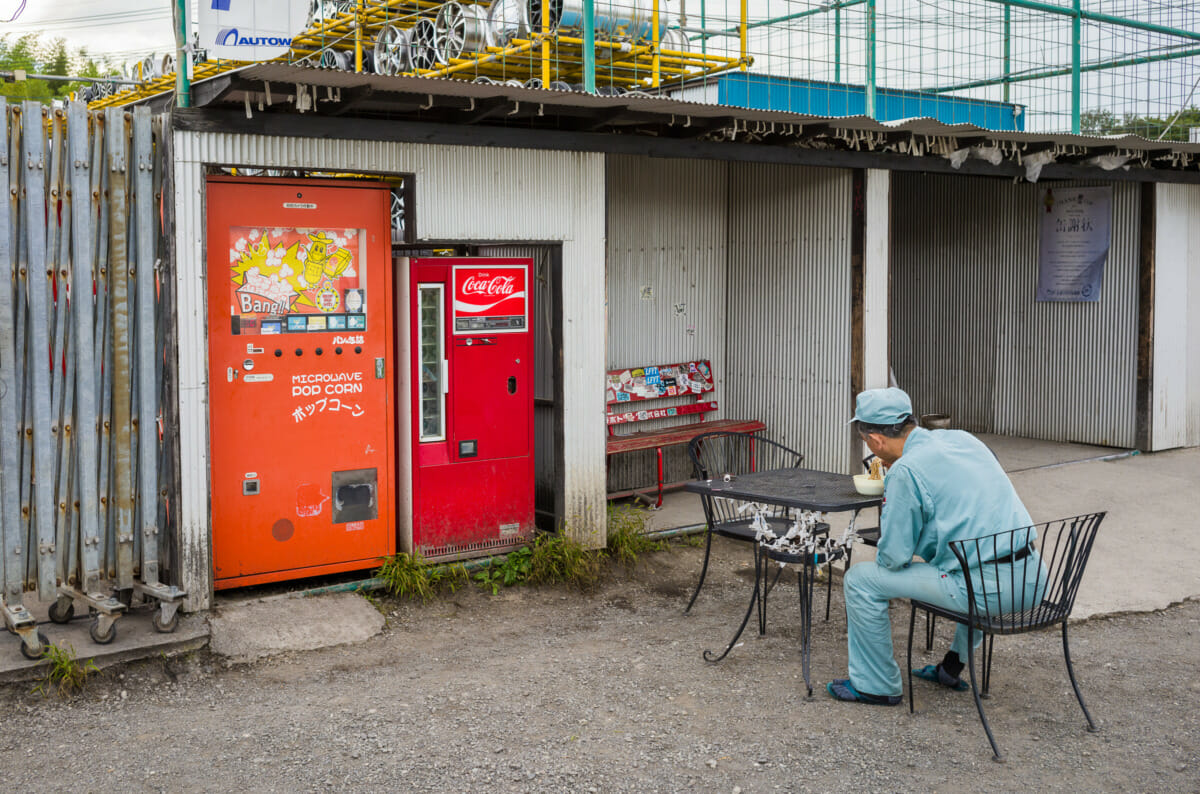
column 250, row 30
column 1076, row 232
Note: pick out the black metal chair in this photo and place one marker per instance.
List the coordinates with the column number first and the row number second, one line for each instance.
column 1043, row 587
column 717, row 454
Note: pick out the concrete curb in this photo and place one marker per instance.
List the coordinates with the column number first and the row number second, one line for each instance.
column 136, row 639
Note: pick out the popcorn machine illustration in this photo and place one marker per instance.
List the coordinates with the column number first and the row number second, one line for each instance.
column 300, row 383
column 472, row 396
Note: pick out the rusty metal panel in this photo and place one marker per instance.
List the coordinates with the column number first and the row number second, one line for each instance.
column 67, row 384
column 41, row 424
column 967, row 336
column 789, row 307
column 123, row 499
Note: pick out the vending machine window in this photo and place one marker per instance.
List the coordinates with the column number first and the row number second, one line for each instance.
column 433, row 363
column 288, row 280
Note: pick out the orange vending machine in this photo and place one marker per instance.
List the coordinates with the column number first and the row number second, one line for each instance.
column 301, row 415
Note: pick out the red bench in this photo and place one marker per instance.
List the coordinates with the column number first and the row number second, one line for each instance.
column 626, row 394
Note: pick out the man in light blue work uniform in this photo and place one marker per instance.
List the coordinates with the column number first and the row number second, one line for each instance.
column 941, row 486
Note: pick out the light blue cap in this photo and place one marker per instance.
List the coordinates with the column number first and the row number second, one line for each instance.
column 882, row 407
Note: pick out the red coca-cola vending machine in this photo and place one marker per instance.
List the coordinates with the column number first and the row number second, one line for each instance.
column 472, row 405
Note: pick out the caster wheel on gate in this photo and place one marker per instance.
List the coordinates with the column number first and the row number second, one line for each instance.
column 102, row 639
column 65, row 615
column 168, row 626
column 45, row 643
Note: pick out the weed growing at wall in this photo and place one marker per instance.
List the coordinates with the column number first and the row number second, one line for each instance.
column 65, row 674
column 409, row 576
column 626, row 535
column 550, row 559
column 557, row 559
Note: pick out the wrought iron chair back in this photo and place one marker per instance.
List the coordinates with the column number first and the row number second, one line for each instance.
column 715, row 455
column 1018, row 581
column 1043, row 586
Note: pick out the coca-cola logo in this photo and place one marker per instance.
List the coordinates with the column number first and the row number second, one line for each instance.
column 495, row 285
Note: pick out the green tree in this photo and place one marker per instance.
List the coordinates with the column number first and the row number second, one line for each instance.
column 21, row 54
column 30, row 54
column 1097, row 122
column 1105, row 122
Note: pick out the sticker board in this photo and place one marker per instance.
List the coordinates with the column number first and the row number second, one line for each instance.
column 651, row 383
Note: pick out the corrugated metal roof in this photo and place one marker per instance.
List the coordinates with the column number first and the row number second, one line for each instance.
column 462, row 102
column 441, row 86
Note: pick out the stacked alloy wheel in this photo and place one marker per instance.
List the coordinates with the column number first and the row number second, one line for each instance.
column 462, row 29
column 422, row 45
column 508, row 20
column 391, row 51
column 337, row 59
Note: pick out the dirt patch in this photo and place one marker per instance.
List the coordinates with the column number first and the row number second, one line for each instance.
column 555, row 690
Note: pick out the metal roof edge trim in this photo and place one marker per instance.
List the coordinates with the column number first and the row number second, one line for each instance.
column 209, row 120
column 440, row 86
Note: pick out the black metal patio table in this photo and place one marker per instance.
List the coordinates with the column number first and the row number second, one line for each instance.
column 800, row 489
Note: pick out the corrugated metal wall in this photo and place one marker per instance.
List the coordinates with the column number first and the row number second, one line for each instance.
column 462, row 193
column 1175, row 410
column 745, row 265
column 543, row 368
column 665, row 285
column 789, row 307
column 967, row 336
column 1193, row 327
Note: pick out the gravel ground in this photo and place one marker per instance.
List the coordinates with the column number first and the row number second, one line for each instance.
column 552, row 690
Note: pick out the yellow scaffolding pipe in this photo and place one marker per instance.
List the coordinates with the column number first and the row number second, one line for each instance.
column 655, row 74
column 545, row 42
column 358, row 31
column 629, row 63
column 524, row 46
column 742, row 34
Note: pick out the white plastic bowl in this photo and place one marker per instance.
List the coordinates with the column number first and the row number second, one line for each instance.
column 866, row 486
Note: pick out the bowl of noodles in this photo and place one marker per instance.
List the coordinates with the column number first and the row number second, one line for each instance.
column 865, row 485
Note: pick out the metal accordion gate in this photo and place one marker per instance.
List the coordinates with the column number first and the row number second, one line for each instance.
column 87, row 364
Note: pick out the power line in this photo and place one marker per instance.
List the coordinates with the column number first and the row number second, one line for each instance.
column 17, row 13
column 96, row 20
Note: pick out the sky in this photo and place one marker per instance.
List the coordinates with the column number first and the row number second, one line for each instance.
column 125, row 31
column 121, row 30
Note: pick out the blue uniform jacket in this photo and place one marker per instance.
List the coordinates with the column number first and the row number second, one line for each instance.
column 946, row 486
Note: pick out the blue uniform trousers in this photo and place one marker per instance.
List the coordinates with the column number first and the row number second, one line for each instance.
column 868, row 588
